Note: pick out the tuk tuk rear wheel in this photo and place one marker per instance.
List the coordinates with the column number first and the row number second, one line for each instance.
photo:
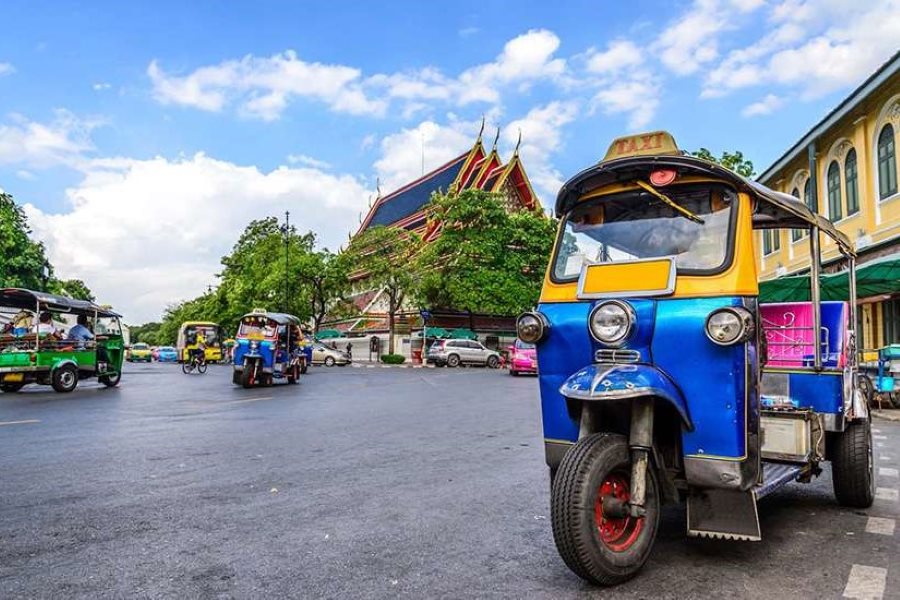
column 11, row 388
column 597, row 547
column 64, row 378
column 304, row 368
column 853, row 466
column 110, row 380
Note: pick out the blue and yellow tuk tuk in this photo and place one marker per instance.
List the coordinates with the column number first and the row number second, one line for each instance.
column 663, row 378
column 268, row 348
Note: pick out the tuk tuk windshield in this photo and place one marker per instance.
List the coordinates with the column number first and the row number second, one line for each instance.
column 637, row 225
column 257, row 327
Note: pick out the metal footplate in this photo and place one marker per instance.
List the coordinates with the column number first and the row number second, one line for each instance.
column 732, row 515
column 723, row 515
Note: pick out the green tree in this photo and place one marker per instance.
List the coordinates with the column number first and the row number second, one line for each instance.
column 324, row 278
column 730, row 160
column 487, row 259
column 22, row 260
column 72, row 288
column 385, row 255
column 147, row 333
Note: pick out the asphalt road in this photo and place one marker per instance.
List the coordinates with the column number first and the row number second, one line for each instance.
column 359, row 483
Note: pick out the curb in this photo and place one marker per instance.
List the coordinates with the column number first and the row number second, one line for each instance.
column 892, row 415
column 381, row 366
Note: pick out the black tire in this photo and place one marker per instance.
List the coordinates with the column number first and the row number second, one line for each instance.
column 64, row 379
column 246, row 376
column 11, row 388
column 513, row 373
column 201, row 368
column 304, row 368
column 894, row 399
column 187, row 367
column 853, row 466
column 329, row 361
column 493, row 362
column 294, row 375
column 601, row 459
column 453, row 361
column 110, row 380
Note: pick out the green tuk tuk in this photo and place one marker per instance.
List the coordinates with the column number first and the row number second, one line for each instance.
column 57, row 341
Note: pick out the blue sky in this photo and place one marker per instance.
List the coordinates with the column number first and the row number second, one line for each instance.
column 143, row 136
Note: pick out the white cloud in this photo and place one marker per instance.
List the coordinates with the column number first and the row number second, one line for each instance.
column 307, row 161
column 402, row 152
column 542, row 138
column 770, row 103
column 64, row 140
column 262, row 87
column 813, row 47
column 637, row 96
column 24, row 174
column 468, row 31
column 145, row 233
column 692, row 40
column 6, row 69
column 619, row 55
column 101, row 86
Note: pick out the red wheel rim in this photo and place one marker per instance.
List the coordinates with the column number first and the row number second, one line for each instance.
column 616, row 534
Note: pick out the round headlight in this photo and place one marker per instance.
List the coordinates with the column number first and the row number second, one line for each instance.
column 531, row 327
column 254, row 345
column 727, row 326
column 611, row 322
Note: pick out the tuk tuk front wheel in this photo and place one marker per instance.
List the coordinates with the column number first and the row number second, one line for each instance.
column 594, row 535
column 64, row 378
column 853, row 466
column 248, row 379
column 304, row 367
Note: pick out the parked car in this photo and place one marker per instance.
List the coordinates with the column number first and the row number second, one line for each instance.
column 323, row 355
column 140, row 352
column 167, row 354
column 522, row 358
column 452, row 353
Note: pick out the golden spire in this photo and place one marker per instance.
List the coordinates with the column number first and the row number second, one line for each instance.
column 496, row 138
column 519, row 143
column 480, row 131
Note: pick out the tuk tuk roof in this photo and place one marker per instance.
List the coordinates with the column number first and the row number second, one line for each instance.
column 280, row 318
column 773, row 210
column 28, row 299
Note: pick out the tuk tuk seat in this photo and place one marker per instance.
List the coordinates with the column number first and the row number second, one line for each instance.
column 788, row 327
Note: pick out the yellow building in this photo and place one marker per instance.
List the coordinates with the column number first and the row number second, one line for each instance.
column 846, row 168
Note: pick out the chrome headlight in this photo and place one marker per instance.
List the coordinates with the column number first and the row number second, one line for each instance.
column 531, row 327
column 611, row 322
column 727, row 326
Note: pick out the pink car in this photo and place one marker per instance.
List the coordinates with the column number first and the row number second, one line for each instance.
column 522, row 358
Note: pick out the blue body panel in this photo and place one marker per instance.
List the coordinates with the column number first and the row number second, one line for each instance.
column 670, row 335
column 264, row 351
column 822, row 393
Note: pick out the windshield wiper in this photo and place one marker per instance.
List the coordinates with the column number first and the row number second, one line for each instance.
column 670, row 202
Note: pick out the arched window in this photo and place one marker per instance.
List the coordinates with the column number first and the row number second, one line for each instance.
column 850, row 183
column 887, row 163
column 833, row 182
column 796, row 234
column 807, row 196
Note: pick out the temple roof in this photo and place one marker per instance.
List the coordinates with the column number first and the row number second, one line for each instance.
column 411, row 198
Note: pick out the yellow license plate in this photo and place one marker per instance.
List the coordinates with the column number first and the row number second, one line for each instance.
column 13, row 377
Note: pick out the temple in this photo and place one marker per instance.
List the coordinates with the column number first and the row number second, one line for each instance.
column 407, row 208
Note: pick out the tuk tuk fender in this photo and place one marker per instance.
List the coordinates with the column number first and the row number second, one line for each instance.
column 603, row 382
column 63, row 362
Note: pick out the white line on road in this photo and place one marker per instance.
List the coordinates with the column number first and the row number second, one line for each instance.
column 874, row 430
column 25, row 422
column 880, row 437
column 879, row 444
column 889, row 494
column 880, row 526
column 886, row 457
column 865, row 582
column 249, row 400
column 888, row 472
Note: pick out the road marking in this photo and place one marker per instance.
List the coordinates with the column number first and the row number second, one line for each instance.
column 874, row 430
column 888, row 472
column 880, row 526
column 880, row 437
column 889, row 494
column 886, row 457
column 249, row 400
column 865, row 582
column 25, row 422
column 879, row 444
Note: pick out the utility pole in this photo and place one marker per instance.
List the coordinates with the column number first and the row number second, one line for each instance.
column 287, row 260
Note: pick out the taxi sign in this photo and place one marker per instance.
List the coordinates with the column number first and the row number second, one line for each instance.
column 642, row 144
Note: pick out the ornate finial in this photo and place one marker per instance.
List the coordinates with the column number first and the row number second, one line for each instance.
column 496, row 138
column 480, row 131
column 378, row 187
column 519, row 143
column 359, row 217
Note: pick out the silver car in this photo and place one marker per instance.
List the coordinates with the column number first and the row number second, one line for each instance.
column 452, row 353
